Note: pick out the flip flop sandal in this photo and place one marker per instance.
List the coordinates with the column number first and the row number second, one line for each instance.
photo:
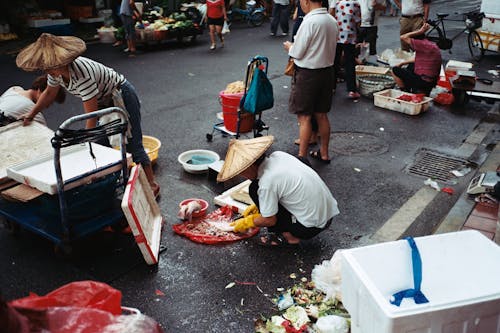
column 275, row 240
column 316, row 154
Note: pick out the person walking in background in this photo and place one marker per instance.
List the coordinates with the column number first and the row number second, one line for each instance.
column 312, row 81
column 98, row 87
column 370, row 11
column 129, row 13
column 16, row 102
column 281, row 16
column 414, row 14
column 216, row 15
column 348, row 15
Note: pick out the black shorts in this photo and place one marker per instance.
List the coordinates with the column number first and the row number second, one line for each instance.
column 412, row 81
column 311, row 91
column 215, row 21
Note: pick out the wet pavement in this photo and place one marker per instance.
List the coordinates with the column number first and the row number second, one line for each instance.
column 179, row 86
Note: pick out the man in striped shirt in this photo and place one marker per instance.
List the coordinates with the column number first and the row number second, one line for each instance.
column 89, row 80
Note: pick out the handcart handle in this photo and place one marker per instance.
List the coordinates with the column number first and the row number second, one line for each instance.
column 95, row 114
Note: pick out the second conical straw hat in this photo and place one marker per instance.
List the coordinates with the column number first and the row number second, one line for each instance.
column 241, row 154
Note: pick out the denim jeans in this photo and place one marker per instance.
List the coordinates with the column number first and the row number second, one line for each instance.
column 133, row 106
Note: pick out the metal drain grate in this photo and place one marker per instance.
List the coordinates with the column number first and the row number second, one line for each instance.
column 434, row 165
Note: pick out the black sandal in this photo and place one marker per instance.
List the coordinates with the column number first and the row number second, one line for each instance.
column 316, row 154
column 275, row 240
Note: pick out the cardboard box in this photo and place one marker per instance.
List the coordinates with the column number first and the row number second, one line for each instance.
column 460, row 278
column 360, row 70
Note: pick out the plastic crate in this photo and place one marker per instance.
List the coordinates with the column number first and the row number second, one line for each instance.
column 58, row 30
column 388, row 99
column 460, row 278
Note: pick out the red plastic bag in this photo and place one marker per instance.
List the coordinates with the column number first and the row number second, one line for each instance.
column 85, row 294
column 444, row 99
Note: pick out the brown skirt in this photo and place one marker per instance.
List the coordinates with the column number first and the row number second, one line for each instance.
column 311, row 91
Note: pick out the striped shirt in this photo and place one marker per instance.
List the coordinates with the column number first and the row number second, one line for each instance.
column 89, row 79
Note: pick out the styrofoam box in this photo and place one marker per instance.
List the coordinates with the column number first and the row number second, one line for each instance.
column 225, row 198
column 460, row 278
column 47, row 22
column 143, row 215
column 387, row 99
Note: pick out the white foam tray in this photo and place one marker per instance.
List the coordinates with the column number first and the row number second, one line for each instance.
column 77, row 167
column 460, row 278
column 225, row 198
column 20, row 143
column 143, row 215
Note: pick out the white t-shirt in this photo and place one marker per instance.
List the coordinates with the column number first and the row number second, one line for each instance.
column 298, row 188
column 412, row 7
column 369, row 15
column 315, row 42
column 15, row 105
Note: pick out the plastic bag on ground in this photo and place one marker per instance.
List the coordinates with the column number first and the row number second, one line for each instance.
column 86, row 294
column 327, row 276
column 332, row 324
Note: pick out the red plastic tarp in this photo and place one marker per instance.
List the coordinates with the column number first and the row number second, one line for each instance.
column 199, row 230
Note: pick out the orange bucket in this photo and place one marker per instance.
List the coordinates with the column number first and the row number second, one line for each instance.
column 230, row 108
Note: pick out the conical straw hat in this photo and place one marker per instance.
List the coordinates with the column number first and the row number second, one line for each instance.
column 241, row 154
column 49, row 52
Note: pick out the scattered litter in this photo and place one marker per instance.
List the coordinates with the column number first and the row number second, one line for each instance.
column 280, row 289
column 460, row 173
column 448, row 190
column 381, row 129
column 432, row 184
column 158, row 292
column 297, row 316
column 230, row 285
column 304, row 279
column 191, row 74
column 332, row 324
column 309, row 306
column 301, row 270
column 493, row 72
column 327, row 277
column 293, row 276
column 357, row 169
column 285, row 87
column 285, row 301
column 241, row 302
column 245, row 283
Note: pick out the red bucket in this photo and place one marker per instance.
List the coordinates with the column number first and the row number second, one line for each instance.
column 230, row 106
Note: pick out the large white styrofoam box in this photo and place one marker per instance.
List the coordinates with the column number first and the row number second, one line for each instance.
column 460, row 278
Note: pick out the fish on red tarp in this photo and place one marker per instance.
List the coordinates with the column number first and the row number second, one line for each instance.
column 414, row 98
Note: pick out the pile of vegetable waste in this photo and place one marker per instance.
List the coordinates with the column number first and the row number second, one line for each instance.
column 305, row 309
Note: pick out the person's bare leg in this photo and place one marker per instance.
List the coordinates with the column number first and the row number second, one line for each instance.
column 305, row 129
column 291, row 239
column 218, row 30
column 324, row 133
column 212, row 36
column 398, row 81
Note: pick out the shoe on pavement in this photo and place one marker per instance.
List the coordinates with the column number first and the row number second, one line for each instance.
column 284, row 34
column 212, row 47
column 272, row 34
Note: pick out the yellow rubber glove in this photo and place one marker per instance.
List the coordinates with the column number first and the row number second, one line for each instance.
column 252, row 209
column 245, row 223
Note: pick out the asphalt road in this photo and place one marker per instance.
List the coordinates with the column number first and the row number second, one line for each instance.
column 179, row 87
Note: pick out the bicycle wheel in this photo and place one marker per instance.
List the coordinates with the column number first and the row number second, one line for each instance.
column 475, row 45
column 257, row 19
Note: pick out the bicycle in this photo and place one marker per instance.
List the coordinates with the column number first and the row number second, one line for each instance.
column 253, row 15
column 472, row 20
